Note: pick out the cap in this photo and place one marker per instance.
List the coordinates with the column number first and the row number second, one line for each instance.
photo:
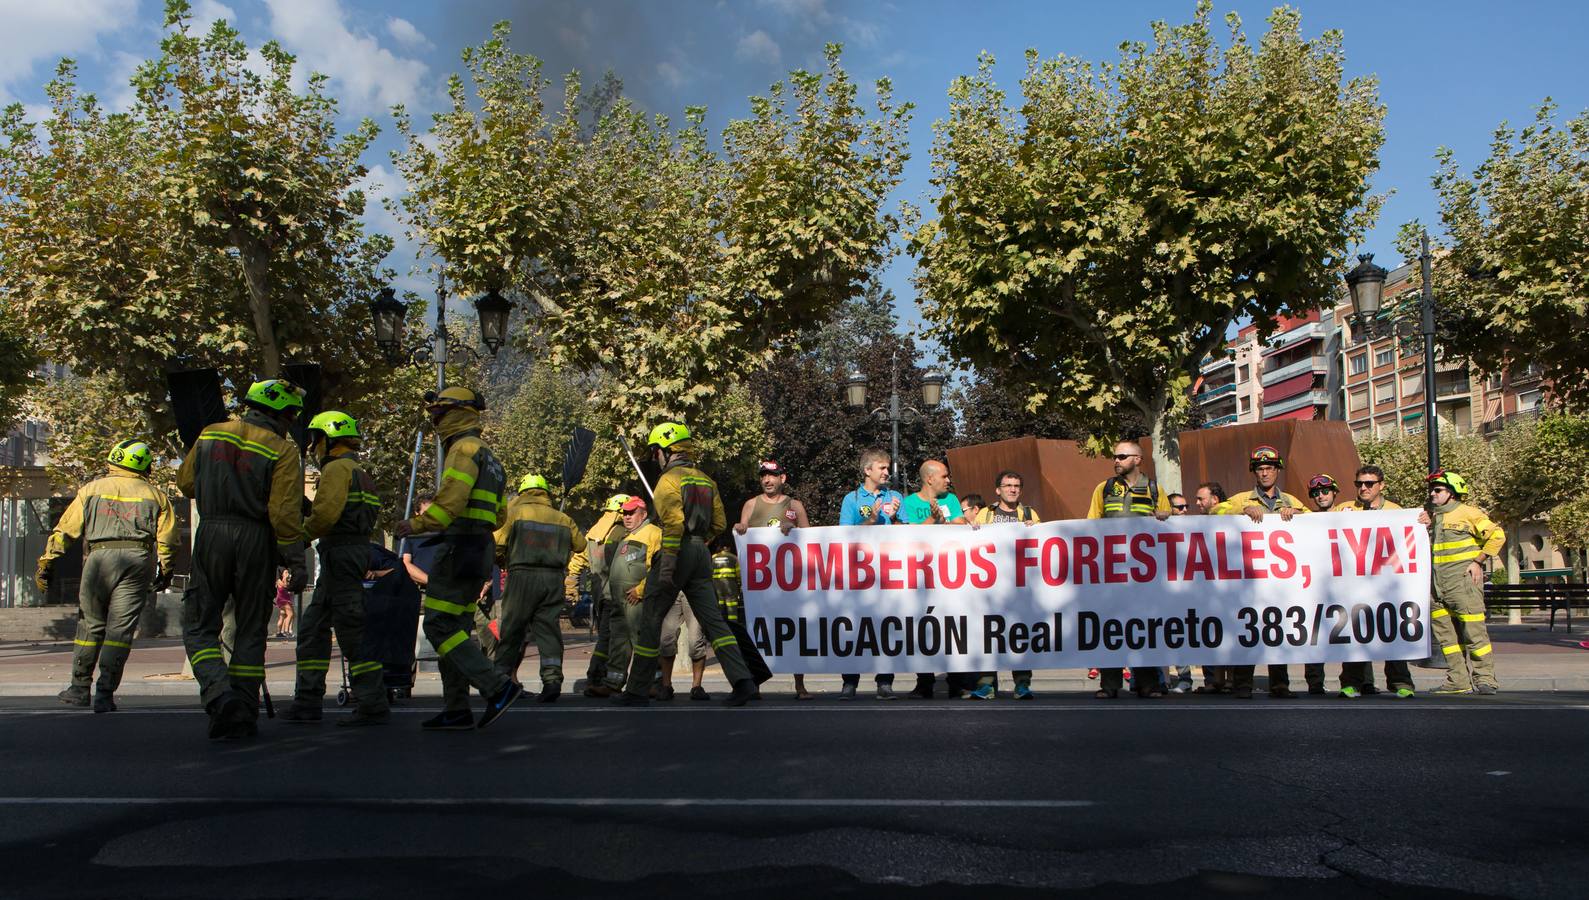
column 769, row 467
column 634, row 503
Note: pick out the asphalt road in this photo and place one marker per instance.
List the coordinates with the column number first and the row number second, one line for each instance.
column 1061, row 797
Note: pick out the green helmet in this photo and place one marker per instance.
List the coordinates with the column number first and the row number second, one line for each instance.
column 275, row 395
column 615, row 502
column 667, row 434
column 133, row 455
column 333, row 425
column 1449, row 480
column 533, row 483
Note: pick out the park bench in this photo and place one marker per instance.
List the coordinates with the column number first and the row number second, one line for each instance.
column 1538, row 595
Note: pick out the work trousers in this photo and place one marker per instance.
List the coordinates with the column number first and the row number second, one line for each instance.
column 234, row 560
column 1359, row 675
column 693, row 575
column 1312, row 674
column 733, row 611
column 1020, row 676
column 623, row 623
column 530, row 610
column 1457, row 616
column 1143, row 678
column 338, row 603
column 601, row 612
column 459, row 572
column 114, row 588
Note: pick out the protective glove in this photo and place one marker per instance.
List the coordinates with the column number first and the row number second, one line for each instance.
column 292, row 559
column 41, row 578
column 667, row 564
column 162, row 578
column 404, row 528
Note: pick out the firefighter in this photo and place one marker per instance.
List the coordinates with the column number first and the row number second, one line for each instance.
column 340, row 520
column 1266, row 464
column 1462, row 537
column 467, row 509
column 600, row 541
column 1129, row 492
column 535, row 543
column 1357, row 678
column 629, row 555
column 129, row 536
column 247, row 479
column 691, row 512
column 731, row 602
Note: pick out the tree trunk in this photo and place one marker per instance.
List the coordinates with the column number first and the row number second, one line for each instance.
column 1166, row 455
column 256, row 272
column 1514, row 565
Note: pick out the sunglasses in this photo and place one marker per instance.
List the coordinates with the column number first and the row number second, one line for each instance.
column 1124, row 455
column 1177, row 506
column 1318, row 491
column 1366, row 483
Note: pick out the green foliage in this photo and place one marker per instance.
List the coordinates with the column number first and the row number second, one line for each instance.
column 1513, row 288
column 214, row 224
column 1096, row 243
column 17, row 361
column 86, row 416
column 645, row 256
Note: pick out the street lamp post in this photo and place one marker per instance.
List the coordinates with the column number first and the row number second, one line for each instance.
column 1366, row 283
column 931, row 396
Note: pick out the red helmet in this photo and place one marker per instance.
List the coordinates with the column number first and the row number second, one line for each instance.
column 1266, row 456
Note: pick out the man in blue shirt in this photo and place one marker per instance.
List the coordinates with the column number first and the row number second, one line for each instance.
column 872, row 503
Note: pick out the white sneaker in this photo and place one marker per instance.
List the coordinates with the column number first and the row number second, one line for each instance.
column 847, row 692
column 1182, row 687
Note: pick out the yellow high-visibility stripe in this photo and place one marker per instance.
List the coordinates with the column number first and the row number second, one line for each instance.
column 1452, row 545
column 456, row 475
column 82, row 643
column 241, row 443
column 451, row 643
column 246, row 671
column 1472, row 617
column 1481, row 651
column 125, row 645
column 647, row 652
column 1455, row 648
column 487, row 496
column 314, row 665
column 457, row 609
column 484, row 515
column 726, row 573
column 363, row 667
column 1439, row 612
column 724, row 641
column 441, row 515
column 1458, row 557
column 121, row 499
column 206, row 653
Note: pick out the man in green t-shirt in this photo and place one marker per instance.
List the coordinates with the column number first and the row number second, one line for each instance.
column 932, row 505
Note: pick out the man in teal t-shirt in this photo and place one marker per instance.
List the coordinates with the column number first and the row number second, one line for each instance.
column 932, row 505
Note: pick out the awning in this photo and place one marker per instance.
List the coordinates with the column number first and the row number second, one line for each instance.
column 1287, row 388
column 1306, row 412
column 1415, row 414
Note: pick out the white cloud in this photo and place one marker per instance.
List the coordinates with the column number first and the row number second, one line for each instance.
column 670, row 74
column 39, row 30
column 404, row 32
column 207, row 12
column 368, row 77
column 760, row 47
column 817, row 17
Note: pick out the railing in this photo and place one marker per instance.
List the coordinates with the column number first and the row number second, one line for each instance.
column 1222, row 420
column 1452, row 388
column 1318, row 365
column 1312, row 331
column 1308, row 398
column 1208, row 395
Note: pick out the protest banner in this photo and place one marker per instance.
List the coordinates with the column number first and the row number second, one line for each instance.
column 1215, row 590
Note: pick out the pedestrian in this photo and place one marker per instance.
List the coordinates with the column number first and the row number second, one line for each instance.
column 1216, row 679
column 773, row 508
column 535, row 542
column 340, row 521
column 935, row 504
column 873, row 502
column 246, row 478
column 466, row 511
column 1462, row 537
column 637, row 541
column 1322, row 493
column 601, row 542
column 284, row 601
column 972, row 505
column 1209, row 496
column 129, row 535
column 1183, row 674
column 1357, row 678
column 1265, row 498
column 691, row 514
column 1129, row 492
column 1007, row 509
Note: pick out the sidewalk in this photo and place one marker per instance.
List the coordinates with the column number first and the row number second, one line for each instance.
column 1527, row 658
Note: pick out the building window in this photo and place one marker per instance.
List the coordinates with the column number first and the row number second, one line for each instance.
column 1493, row 382
column 1359, row 363
column 1359, row 400
column 1246, row 404
column 1241, row 374
column 1386, row 356
column 1385, row 392
column 1528, row 400
column 1412, row 385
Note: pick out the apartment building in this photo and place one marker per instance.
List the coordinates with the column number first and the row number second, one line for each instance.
column 1229, row 388
column 1296, row 369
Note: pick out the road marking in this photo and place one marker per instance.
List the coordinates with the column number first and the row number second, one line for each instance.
column 791, row 802
column 1498, row 773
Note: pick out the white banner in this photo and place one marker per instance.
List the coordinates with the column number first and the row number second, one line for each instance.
column 1216, row 590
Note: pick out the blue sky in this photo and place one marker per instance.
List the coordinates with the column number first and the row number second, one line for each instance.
column 1449, row 71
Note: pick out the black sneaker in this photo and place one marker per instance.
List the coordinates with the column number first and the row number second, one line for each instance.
column 921, row 692
column 455, row 720
column 699, row 693
column 74, row 696
column 663, row 692
column 744, row 689
column 302, row 714
column 104, row 702
column 1316, row 690
column 228, row 712
column 1484, row 689
column 550, row 693
column 360, row 718
column 499, row 704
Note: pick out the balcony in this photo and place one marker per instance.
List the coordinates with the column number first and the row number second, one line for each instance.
column 1317, row 365
column 1215, row 363
column 1452, row 389
column 1209, row 395
column 1318, row 397
column 1222, row 420
column 1311, row 331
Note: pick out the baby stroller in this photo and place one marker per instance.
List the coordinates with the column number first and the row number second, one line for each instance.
column 391, row 620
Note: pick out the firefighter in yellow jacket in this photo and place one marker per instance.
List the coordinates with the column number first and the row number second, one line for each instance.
column 1264, row 499
column 1462, row 537
column 129, row 536
column 340, row 522
column 247, row 480
column 466, row 511
column 535, row 543
column 600, row 542
column 691, row 512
